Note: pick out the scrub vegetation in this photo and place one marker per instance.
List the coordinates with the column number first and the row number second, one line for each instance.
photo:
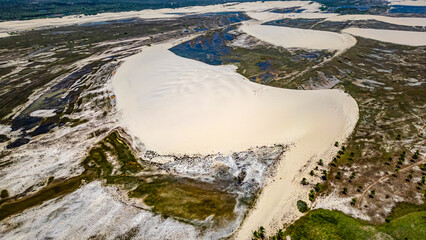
column 113, row 162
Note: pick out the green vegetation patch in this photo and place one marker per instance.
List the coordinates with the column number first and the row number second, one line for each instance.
column 327, row 224
column 167, row 195
column 185, row 198
column 267, row 64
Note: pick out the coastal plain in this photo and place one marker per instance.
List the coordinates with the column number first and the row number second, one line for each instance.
column 208, row 122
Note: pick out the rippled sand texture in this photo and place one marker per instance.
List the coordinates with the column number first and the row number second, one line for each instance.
column 178, row 105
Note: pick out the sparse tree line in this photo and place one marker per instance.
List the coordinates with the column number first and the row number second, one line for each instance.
column 338, row 176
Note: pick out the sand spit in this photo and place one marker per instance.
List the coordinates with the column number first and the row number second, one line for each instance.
column 392, row 36
column 299, row 38
column 14, row 26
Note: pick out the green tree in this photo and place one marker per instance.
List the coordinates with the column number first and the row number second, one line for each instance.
column 280, row 235
column 261, row 232
column 324, row 175
column 302, row 206
column 256, row 235
column 416, row 155
column 318, row 187
column 312, row 195
column 338, row 175
column 4, row 193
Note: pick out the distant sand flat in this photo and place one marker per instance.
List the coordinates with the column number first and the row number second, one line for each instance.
column 408, row 38
column 405, row 21
column 408, row 2
column 299, row 38
column 163, row 13
column 179, row 105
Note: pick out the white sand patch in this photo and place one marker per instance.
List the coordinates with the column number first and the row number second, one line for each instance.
column 13, row 26
column 4, row 34
column 270, row 16
column 179, row 105
column 90, row 211
column 43, row 113
column 343, row 204
column 299, row 38
column 265, row 16
column 409, row 38
column 405, row 21
column 408, row 2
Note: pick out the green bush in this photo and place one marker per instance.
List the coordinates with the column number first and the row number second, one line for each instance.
column 4, row 193
column 302, row 206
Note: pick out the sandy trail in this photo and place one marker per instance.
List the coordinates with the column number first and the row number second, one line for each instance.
column 385, row 177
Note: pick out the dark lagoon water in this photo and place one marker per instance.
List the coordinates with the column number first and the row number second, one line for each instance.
column 210, row 47
column 408, row 9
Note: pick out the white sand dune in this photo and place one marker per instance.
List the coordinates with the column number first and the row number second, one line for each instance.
column 408, row 38
column 179, row 105
column 43, row 113
column 299, row 38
